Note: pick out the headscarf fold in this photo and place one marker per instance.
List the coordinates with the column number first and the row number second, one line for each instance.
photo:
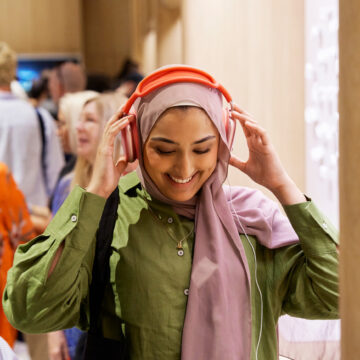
column 218, row 313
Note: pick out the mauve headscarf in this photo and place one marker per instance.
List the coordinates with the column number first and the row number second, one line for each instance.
column 218, row 314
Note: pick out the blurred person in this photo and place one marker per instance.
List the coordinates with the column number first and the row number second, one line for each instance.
column 28, row 146
column 67, row 77
column 32, row 151
column 89, row 130
column 39, row 91
column 128, row 83
column 70, row 108
column 41, row 215
column 18, row 90
column 96, row 111
column 98, row 82
column 193, row 268
column 128, row 66
column 15, row 228
column 128, row 78
column 6, row 353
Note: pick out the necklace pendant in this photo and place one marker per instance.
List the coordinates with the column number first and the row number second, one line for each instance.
column 180, row 250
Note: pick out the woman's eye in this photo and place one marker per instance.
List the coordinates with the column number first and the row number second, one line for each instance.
column 201, row 151
column 164, row 152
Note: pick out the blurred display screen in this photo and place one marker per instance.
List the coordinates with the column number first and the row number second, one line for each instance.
column 30, row 69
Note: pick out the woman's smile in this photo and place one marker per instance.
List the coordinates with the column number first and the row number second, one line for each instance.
column 180, row 181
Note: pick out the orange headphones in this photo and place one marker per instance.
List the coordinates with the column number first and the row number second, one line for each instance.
column 162, row 77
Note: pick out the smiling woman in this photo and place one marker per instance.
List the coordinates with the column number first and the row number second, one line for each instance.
column 196, row 270
column 181, row 153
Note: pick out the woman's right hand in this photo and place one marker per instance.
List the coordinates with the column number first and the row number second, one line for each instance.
column 106, row 174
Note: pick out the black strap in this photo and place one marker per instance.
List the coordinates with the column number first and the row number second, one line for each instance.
column 96, row 345
column 43, row 145
column 101, row 270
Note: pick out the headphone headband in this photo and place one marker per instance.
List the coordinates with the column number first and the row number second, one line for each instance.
column 174, row 74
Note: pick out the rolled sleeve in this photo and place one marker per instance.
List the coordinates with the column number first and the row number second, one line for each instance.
column 34, row 302
column 315, row 229
column 310, row 269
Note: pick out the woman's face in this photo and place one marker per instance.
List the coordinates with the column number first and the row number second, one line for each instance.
column 181, row 152
column 88, row 131
column 63, row 133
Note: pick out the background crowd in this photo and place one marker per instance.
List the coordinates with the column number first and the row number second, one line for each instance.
column 48, row 142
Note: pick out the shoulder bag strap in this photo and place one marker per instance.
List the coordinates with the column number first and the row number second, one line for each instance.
column 101, row 269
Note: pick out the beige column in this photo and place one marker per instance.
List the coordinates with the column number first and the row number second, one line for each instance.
column 349, row 170
column 169, row 33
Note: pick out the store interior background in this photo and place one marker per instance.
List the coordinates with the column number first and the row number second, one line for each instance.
column 278, row 58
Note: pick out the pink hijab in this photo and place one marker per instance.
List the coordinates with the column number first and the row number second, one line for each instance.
column 218, row 313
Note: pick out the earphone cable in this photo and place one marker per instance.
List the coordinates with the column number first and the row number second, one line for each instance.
column 256, row 279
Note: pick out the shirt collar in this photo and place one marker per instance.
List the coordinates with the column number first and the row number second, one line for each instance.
column 129, row 181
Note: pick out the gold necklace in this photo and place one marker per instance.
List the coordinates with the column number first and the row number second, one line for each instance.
column 179, row 246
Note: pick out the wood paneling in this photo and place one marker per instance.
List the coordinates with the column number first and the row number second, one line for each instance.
column 256, row 50
column 349, row 171
column 42, row 26
column 107, row 34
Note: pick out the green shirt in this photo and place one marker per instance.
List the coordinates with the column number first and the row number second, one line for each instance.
column 149, row 280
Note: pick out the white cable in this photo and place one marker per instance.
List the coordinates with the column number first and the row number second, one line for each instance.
column 256, row 280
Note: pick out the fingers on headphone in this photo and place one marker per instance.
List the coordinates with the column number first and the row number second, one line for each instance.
column 236, row 107
column 258, row 132
column 242, row 117
column 113, row 129
column 244, row 122
column 247, row 133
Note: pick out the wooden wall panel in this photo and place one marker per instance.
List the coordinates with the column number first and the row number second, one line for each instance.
column 107, row 34
column 349, row 171
column 157, row 33
column 170, row 32
column 42, row 26
column 256, row 49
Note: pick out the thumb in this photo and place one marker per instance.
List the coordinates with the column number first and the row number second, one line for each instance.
column 236, row 162
column 121, row 165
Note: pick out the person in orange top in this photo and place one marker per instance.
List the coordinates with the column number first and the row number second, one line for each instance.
column 15, row 228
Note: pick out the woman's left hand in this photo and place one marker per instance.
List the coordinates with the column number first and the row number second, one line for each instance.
column 264, row 165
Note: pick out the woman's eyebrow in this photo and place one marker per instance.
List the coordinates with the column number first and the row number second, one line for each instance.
column 162, row 139
column 204, row 139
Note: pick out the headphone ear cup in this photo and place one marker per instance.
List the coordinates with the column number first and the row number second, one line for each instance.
column 130, row 141
column 135, row 143
column 129, row 148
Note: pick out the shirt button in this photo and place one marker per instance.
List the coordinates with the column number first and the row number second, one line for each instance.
column 180, row 252
column 186, row 292
column 170, row 220
column 324, row 225
column 73, row 218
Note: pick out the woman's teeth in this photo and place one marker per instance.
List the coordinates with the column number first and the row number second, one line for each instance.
column 181, row 181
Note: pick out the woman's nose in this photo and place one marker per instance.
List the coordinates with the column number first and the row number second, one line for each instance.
column 79, row 126
column 185, row 166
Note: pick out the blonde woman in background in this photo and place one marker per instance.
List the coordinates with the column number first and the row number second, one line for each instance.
column 88, row 128
column 70, row 108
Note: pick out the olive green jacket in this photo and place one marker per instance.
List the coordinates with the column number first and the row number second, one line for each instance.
column 149, row 280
